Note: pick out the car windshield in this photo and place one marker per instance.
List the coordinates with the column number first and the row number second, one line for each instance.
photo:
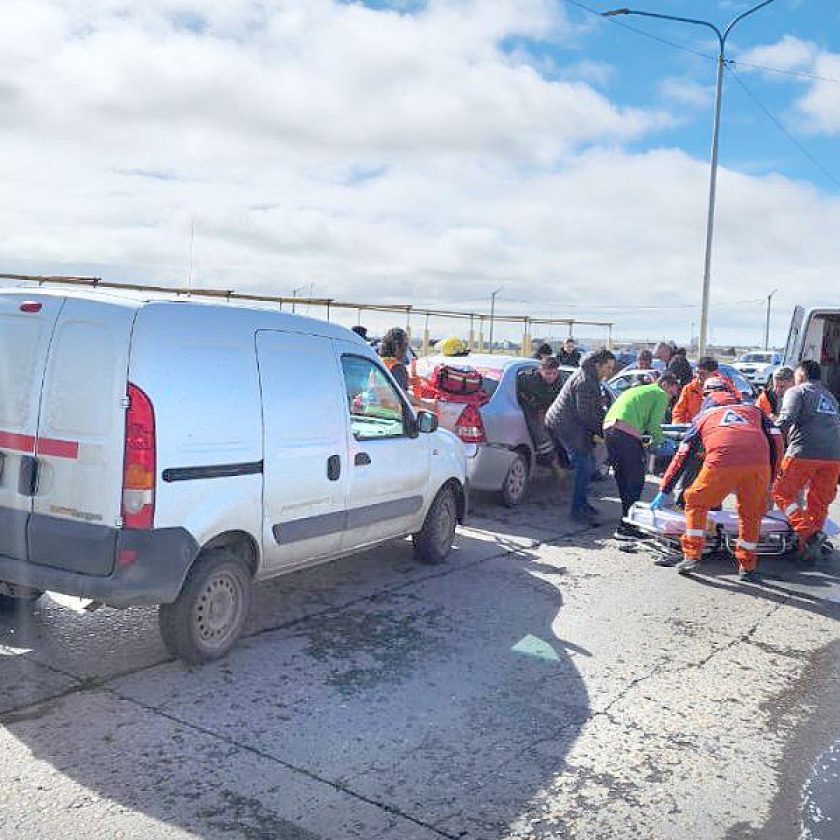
column 763, row 358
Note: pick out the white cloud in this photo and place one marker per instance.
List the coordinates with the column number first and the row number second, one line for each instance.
column 790, row 53
column 687, row 92
column 817, row 110
column 376, row 155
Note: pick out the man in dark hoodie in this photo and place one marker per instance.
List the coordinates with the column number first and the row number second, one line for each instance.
column 575, row 419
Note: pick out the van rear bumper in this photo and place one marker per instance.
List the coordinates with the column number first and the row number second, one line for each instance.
column 149, row 568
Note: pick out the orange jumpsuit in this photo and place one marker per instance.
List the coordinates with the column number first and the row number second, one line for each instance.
column 811, row 420
column 768, row 402
column 691, row 399
column 742, row 451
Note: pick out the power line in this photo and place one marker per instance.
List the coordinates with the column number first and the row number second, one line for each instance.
column 827, row 172
column 804, row 74
column 614, row 20
column 641, row 32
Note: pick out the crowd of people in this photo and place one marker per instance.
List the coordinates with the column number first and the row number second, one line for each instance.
column 782, row 451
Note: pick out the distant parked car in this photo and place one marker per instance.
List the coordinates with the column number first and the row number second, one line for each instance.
column 758, row 365
column 637, row 376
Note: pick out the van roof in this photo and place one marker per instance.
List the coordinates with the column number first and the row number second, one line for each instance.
column 267, row 315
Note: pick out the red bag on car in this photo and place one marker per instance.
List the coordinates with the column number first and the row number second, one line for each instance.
column 457, row 381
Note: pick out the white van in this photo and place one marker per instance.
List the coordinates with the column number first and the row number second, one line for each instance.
column 169, row 452
column 815, row 334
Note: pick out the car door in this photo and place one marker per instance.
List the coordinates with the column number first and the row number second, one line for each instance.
column 304, row 448
column 26, row 328
column 388, row 463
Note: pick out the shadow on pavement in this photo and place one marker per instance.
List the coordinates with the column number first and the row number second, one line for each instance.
column 372, row 698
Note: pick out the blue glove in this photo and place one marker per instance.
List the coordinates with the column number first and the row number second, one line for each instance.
column 658, row 500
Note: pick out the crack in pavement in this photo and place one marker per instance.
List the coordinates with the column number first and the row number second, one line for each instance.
column 268, row 756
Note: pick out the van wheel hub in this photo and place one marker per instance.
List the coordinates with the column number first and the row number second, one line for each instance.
column 217, row 609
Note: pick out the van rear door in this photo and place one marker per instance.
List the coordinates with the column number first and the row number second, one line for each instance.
column 26, row 327
column 792, row 357
column 81, row 436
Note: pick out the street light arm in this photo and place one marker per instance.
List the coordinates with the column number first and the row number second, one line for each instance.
column 741, row 17
column 694, row 21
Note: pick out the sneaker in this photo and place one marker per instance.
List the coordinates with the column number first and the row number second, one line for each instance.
column 749, row 575
column 585, row 517
column 811, row 550
column 668, row 561
column 688, row 565
column 591, row 509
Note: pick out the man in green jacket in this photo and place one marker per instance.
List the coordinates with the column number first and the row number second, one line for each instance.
column 637, row 413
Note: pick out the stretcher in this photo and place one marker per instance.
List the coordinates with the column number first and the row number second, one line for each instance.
column 665, row 526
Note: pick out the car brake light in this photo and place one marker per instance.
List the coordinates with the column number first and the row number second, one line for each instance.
column 469, row 426
column 138, row 496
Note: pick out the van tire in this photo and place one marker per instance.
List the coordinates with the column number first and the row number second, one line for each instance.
column 516, row 481
column 433, row 542
column 218, row 580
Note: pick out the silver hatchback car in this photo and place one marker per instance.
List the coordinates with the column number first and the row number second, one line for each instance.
column 500, row 453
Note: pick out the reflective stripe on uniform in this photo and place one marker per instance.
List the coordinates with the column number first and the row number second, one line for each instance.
column 695, row 532
column 750, row 546
column 791, row 508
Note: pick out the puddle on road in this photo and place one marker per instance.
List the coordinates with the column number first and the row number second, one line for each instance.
column 821, row 797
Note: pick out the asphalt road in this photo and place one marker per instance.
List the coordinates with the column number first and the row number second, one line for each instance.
column 541, row 684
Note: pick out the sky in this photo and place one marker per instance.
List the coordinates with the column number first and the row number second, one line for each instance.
column 429, row 153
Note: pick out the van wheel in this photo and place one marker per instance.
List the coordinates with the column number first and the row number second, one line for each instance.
column 433, row 542
column 20, row 598
column 205, row 620
column 516, row 482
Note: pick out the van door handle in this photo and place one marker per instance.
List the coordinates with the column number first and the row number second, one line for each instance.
column 333, row 467
column 362, row 459
column 28, row 475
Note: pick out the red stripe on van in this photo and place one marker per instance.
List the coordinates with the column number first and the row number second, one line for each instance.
column 21, row 443
column 58, row 448
column 46, row 446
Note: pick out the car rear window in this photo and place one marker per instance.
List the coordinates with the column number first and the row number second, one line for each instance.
column 490, row 379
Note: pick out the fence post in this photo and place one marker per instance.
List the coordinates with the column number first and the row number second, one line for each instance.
column 480, row 333
column 471, row 341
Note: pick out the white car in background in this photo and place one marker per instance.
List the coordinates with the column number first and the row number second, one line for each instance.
column 758, row 365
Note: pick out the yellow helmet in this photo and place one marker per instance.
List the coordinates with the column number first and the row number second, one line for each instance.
column 451, row 346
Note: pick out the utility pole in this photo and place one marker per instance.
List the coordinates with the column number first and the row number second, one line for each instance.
column 493, row 313
column 710, row 218
column 767, row 322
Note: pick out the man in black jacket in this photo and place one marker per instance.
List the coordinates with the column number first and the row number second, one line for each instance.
column 575, row 420
column 569, row 354
column 536, row 390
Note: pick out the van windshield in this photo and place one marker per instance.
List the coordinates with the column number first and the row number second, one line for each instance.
column 763, row 358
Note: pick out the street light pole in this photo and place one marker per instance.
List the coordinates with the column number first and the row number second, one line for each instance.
column 493, row 313
column 294, row 295
column 710, row 219
column 767, row 323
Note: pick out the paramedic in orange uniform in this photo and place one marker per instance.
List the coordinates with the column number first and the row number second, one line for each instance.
column 811, row 421
column 743, row 449
column 770, row 400
column 691, row 397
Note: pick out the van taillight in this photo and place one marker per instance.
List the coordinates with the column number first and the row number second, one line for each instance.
column 469, row 426
column 138, row 497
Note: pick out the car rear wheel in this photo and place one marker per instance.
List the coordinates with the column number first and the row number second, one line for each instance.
column 516, row 481
column 433, row 542
column 206, row 619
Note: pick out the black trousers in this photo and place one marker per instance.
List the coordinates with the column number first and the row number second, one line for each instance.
column 627, row 456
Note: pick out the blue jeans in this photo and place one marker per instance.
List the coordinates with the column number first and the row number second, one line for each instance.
column 583, row 463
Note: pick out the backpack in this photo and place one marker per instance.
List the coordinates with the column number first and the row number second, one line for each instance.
column 458, row 381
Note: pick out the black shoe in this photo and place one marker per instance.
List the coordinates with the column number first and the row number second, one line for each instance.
column 749, row 575
column 688, row 565
column 626, row 531
column 668, row 561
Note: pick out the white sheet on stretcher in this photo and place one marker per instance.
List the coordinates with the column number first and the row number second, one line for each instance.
column 671, row 522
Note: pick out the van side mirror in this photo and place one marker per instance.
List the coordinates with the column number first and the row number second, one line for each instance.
column 427, row 422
